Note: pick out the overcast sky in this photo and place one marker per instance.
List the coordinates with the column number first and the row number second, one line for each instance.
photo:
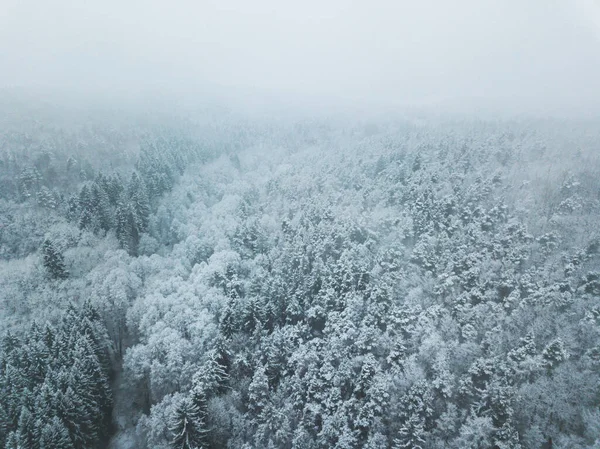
column 526, row 55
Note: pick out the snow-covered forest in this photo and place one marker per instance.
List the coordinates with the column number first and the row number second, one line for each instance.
column 223, row 281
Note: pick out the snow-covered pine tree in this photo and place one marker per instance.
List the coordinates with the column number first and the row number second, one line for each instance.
column 126, row 230
column 103, row 217
column 554, row 353
column 411, row 435
column 140, row 204
column 86, row 208
column 27, row 430
column 54, row 435
column 53, row 261
column 188, row 427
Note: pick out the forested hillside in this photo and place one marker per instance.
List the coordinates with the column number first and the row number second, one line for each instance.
column 229, row 282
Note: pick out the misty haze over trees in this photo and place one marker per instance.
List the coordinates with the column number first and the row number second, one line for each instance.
column 246, row 283
column 248, row 225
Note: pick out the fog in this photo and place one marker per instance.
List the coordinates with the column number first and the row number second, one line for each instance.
column 534, row 56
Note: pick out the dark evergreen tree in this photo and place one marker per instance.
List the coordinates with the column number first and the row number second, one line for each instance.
column 554, row 353
column 4, row 423
column 255, row 314
column 9, row 343
column 15, row 391
column 12, row 441
column 46, row 198
column 86, row 208
column 200, row 401
column 53, row 261
column 45, row 402
column 227, row 323
column 212, row 376
column 188, row 428
column 95, row 331
column 103, row 218
column 140, row 204
column 27, row 430
column 54, row 435
column 91, row 383
column 258, row 391
column 411, row 434
column 48, row 336
column 72, row 211
column 34, row 357
column 114, row 189
column 71, row 163
column 77, row 415
column 126, row 231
